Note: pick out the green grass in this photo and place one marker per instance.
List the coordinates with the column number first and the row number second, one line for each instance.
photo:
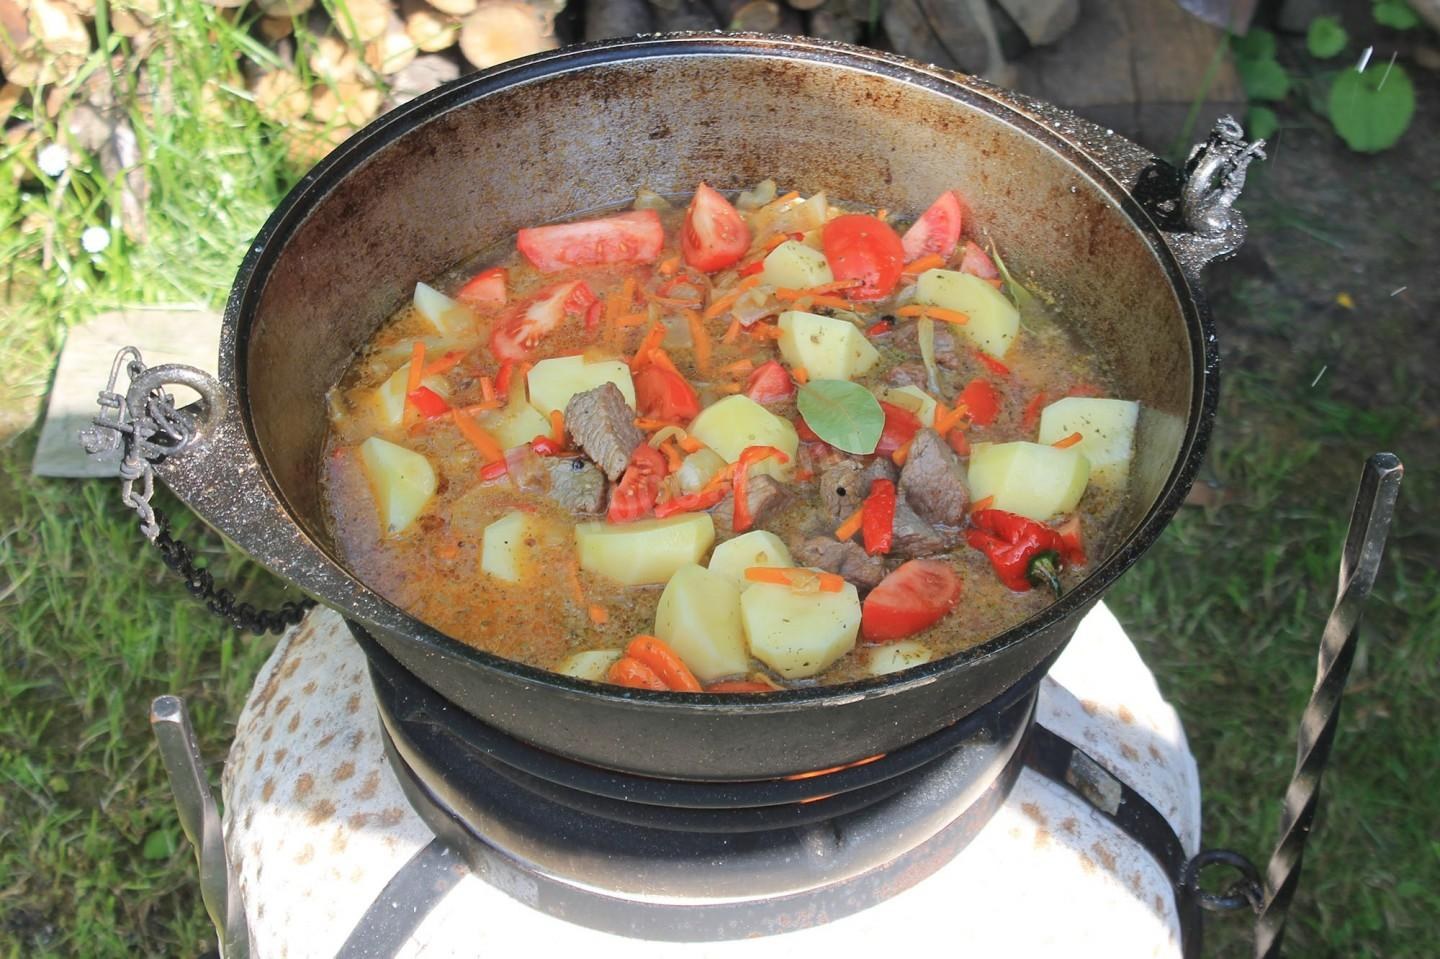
column 1227, row 608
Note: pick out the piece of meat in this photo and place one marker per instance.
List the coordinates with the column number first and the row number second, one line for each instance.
column 845, row 485
column 915, row 538
column 908, row 374
column 846, row 559
column 907, row 338
column 766, row 496
column 603, row 426
column 576, row 484
column 527, row 470
column 933, row 481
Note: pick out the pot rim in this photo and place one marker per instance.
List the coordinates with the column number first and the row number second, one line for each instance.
column 999, row 105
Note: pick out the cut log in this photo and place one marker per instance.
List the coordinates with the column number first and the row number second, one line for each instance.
column 360, row 21
column 10, row 94
column 273, row 29
column 351, row 103
column 617, row 18
column 58, row 29
column 1043, row 21
column 284, row 8
column 17, row 48
column 456, row 8
column 942, row 32
column 425, row 73
column 392, row 51
column 280, row 96
column 829, row 24
column 308, row 142
column 758, row 16
column 332, row 60
column 671, row 15
column 501, row 30
column 428, row 27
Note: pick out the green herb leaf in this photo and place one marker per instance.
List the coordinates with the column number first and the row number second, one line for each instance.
column 1326, row 37
column 1261, row 123
column 1254, row 45
column 1371, row 110
column 1395, row 14
column 843, row 414
column 1033, row 313
column 1263, row 79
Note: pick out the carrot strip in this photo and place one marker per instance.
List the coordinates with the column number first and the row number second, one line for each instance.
column 690, row 445
column 742, row 365
column 664, row 662
column 910, row 310
column 728, row 387
column 765, row 331
column 929, row 261
column 947, row 422
column 1069, row 441
column 902, row 454
column 445, row 364
column 948, row 316
column 775, row 575
column 478, row 436
column 732, row 332
column 802, row 375
column 728, row 300
column 487, row 388
column 837, row 286
column 652, row 340
column 417, row 371
column 599, row 615
column 792, row 195
column 795, row 578
column 851, row 526
column 980, row 504
column 651, row 425
column 635, row 674
column 632, row 319
column 557, row 427
column 474, row 408
column 672, row 455
column 703, row 347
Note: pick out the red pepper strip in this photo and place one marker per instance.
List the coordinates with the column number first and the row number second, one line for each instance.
column 545, row 446
column 877, row 519
column 628, row 671
column 880, row 328
column 741, row 519
column 691, row 502
column 502, row 379
column 995, row 365
column 1031, row 417
column 493, row 471
column 428, row 402
column 1023, row 552
column 752, row 268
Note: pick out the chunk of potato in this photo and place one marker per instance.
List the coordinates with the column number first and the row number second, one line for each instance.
column 914, row 399
column 516, row 424
column 893, row 657
column 730, row 425
column 648, row 551
column 1031, row 479
column 1108, row 428
column 759, row 547
column 402, row 480
column 552, row 382
column 828, row 348
column 593, row 664
column 994, row 321
column 799, row 634
column 449, row 318
column 793, row 264
column 699, row 617
column 507, row 548
column 388, row 400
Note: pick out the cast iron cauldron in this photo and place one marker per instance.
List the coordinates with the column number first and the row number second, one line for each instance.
column 1115, row 234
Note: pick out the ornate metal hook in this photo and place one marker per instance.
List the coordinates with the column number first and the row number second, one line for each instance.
column 1214, row 176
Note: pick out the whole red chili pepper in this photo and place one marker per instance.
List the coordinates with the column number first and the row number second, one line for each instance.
column 877, row 519
column 1023, row 552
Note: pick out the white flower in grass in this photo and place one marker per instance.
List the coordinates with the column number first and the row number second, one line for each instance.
column 53, row 159
column 95, row 239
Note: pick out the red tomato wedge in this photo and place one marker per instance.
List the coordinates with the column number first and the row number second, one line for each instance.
column 662, row 394
column 937, row 231
column 625, row 239
column 638, row 489
column 714, row 235
column 486, row 288
column 517, row 334
column 901, row 425
column 981, row 401
column 861, row 247
column 770, row 383
column 978, row 262
column 915, row 596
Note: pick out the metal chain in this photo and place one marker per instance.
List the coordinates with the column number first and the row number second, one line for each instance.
column 146, row 438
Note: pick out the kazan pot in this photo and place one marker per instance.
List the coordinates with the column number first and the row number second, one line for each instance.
column 1115, row 234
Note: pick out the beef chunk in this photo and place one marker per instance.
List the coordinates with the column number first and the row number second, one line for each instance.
column 915, row 538
column 845, row 485
column 576, row 484
column 603, row 426
column 907, row 338
column 847, row 559
column 766, row 496
column 528, row 471
column 908, row 374
column 933, row 482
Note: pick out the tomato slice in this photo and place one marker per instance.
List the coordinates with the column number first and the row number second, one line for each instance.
column 486, row 288
column 518, row 333
column 901, row 425
column 663, row 394
column 621, row 240
column 937, row 231
column 915, row 596
column 639, row 487
column 978, row 262
column 770, row 383
column 866, row 248
column 981, row 401
column 714, row 235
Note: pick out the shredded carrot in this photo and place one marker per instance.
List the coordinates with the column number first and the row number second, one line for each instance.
column 445, row 364
column 672, row 455
column 599, row 615
column 668, row 267
column 765, row 331
column 481, row 439
column 902, row 454
column 742, row 365
column 948, row 316
column 950, row 419
column 573, row 574
column 417, row 370
column 719, row 479
column 628, row 290
column 633, row 319
column 792, row 195
column 703, row 346
column 795, row 578
column 557, row 427
column 772, row 241
column 732, row 332
column 474, row 408
column 929, row 261
column 652, row 340
column 834, row 302
column 910, row 310
column 728, row 300
column 851, row 526
column 882, row 214
column 980, row 504
column 651, row 425
column 487, row 388
column 1068, row 441
column 729, row 387
column 802, row 375
column 837, row 286
column 664, row 662
column 690, row 444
